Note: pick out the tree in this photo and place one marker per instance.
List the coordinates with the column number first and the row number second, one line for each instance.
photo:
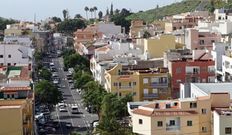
column 146, row 34
column 83, row 79
column 45, row 74
column 71, row 25
column 95, row 9
column 117, row 11
column 86, row 10
column 91, row 11
column 119, row 19
column 111, row 9
column 108, row 122
column 113, row 109
column 100, row 14
column 107, row 11
column 93, row 94
column 65, row 14
column 46, row 93
column 56, row 19
column 78, row 16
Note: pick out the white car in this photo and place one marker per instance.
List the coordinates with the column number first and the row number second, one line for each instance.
column 61, row 104
column 63, row 109
column 74, row 108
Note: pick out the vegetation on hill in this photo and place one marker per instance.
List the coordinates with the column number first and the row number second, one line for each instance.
column 179, row 7
column 160, row 12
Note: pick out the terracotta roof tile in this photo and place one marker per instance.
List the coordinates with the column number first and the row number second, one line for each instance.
column 14, row 89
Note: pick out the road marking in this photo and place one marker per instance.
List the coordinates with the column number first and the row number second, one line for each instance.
column 59, row 120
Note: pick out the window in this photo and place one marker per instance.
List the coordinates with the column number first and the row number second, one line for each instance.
column 172, row 123
column 119, row 84
column 1, row 56
column 1, row 64
column 145, row 80
column 204, row 129
column 12, row 96
column 212, row 41
column 189, row 123
column 9, row 56
column 193, row 104
column 178, row 70
column 115, row 84
column 140, row 121
column 159, row 124
column 145, row 91
column 134, row 83
column 14, row 64
column 203, row 111
column 8, row 64
column 130, row 84
column 202, row 42
column 154, row 91
column 228, row 130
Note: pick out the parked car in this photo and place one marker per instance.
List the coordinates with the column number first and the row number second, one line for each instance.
column 68, row 125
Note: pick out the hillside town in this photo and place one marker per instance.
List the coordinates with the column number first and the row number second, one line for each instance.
column 106, row 75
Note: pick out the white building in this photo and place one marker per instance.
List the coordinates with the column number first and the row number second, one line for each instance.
column 109, row 28
column 204, row 89
column 25, row 40
column 15, row 54
column 218, row 51
column 222, row 122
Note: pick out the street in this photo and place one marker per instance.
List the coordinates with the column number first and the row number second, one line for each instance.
column 81, row 122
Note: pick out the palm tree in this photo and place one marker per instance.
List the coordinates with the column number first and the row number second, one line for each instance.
column 65, row 12
column 95, row 9
column 91, row 11
column 86, row 10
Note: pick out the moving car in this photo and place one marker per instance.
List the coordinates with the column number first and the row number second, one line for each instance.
column 63, row 109
column 74, row 109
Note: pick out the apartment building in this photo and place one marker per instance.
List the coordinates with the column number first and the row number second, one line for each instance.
column 155, row 47
column 143, row 83
column 136, row 26
column 181, row 21
column 180, row 116
column 194, row 39
column 88, row 48
column 15, row 54
column 222, row 119
column 200, row 68
column 219, row 49
column 16, row 117
column 204, row 89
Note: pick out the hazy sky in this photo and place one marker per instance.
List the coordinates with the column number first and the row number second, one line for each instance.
column 25, row 9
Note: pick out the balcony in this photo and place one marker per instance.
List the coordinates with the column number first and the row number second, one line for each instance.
column 150, row 96
column 193, row 73
column 159, row 85
column 125, row 87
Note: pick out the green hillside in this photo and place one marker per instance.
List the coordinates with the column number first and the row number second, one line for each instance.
column 179, row 7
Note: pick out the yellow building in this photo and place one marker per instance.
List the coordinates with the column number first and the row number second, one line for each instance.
column 182, row 116
column 16, row 117
column 145, row 84
column 156, row 46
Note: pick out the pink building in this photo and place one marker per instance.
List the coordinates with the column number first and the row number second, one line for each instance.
column 200, row 40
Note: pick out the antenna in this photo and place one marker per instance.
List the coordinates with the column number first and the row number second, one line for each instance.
column 35, row 18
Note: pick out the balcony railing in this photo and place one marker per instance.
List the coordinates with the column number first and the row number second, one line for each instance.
column 125, row 87
column 156, row 84
column 192, row 73
column 153, row 95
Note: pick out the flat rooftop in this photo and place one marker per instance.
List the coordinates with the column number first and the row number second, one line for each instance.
column 214, row 87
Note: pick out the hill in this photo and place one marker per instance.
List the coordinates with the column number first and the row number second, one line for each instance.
column 177, row 8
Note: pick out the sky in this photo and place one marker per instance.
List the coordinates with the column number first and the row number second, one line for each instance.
column 25, row 10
